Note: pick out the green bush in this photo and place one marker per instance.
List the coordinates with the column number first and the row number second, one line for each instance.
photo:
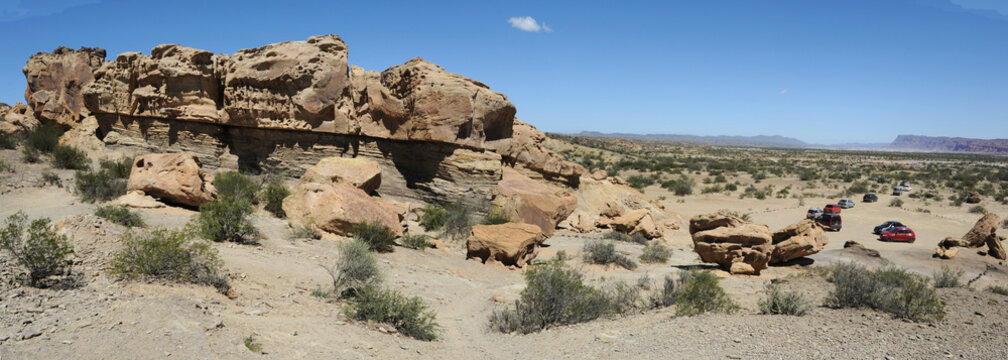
column 409, row 315
column 120, row 215
column 43, row 138
column 656, row 253
column 603, row 252
column 119, row 169
column 948, row 278
column 977, row 209
column 497, row 215
column 36, row 246
column 781, row 302
column 892, row 290
column 235, row 185
column 418, row 241
column 555, row 294
column 698, row 292
column 69, row 157
column 305, row 232
column 173, row 255
column 896, row 202
column 377, row 236
column 434, row 217
column 98, row 186
column 273, row 196
column 681, row 187
column 49, row 178
column 458, row 221
column 354, row 270
column 30, row 155
column 251, row 344
column 998, row 289
column 7, row 141
column 227, row 219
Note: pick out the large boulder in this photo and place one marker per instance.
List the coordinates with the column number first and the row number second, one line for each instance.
column 172, row 177
column 337, row 207
column 55, row 81
column 17, row 119
column 533, row 202
column 362, row 173
column 638, row 221
column 510, row 244
column 525, row 147
column 973, row 198
column 605, row 202
column 984, row 229
column 739, row 247
column 984, row 232
column 798, row 240
column 995, row 247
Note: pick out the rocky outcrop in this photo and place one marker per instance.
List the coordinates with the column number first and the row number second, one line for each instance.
column 798, row 240
column 737, row 246
column 639, row 221
column 610, row 204
column 510, row 244
column 364, row 174
column 532, row 202
column 525, row 148
column 984, row 229
column 17, row 119
column 172, row 177
column 983, row 233
column 336, row 208
column 55, row 81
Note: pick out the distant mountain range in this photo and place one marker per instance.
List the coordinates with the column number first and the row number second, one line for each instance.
column 902, row 142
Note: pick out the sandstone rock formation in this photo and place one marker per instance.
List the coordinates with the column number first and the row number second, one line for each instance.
column 609, row 204
column 798, row 240
column 973, row 198
column 639, row 221
column 172, row 177
column 510, row 244
column 856, row 247
column 55, row 81
column 984, row 232
column 365, row 174
column 17, row 119
column 337, row 207
column 525, row 147
column 532, row 202
column 739, row 247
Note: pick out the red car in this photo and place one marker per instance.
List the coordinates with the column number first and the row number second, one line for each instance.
column 831, row 209
column 899, row 234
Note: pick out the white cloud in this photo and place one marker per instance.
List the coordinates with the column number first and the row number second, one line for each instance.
column 784, row 91
column 527, row 23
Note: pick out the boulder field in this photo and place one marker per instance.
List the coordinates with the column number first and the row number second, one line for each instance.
column 741, row 247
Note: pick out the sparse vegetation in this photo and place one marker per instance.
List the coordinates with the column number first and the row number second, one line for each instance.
column 409, row 315
column 458, row 220
column 173, row 255
column 656, row 253
column 30, row 155
column 251, row 344
column 43, row 138
column 273, row 196
column 434, row 217
column 377, row 236
column 497, row 215
column 783, row 302
column 603, row 252
column 5, row 167
column 998, row 289
column 355, row 269
column 977, row 209
column 49, row 178
column 417, row 241
column 108, row 183
column 235, row 185
column 69, row 157
column 7, row 141
column 698, row 292
column 119, row 169
column 305, row 232
column 36, row 246
column 896, row 202
column 226, row 219
column 892, row 290
column 743, row 216
column 948, row 278
column 120, row 215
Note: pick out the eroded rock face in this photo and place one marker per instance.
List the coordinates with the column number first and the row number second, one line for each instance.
column 739, row 247
column 337, row 207
column 525, row 147
column 532, row 202
column 984, row 232
column 510, row 244
column 172, row 177
column 17, row 119
column 984, row 229
column 608, row 204
column 798, row 240
column 638, row 221
column 364, row 174
column 55, row 81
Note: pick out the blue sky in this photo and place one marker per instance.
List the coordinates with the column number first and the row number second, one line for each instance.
column 820, row 71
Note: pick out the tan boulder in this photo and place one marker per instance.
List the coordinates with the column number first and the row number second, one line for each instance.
column 172, row 177
column 337, row 207
column 84, row 137
column 798, row 240
column 739, row 247
column 984, row 229
column 55, row 81
column 533, row 202
column 946, row 253
column 600, row 174
column 580, row 221
column 510, row 244
column 605, row 201
column 973, row 198
column 995, row 247
column 633, row 222
column 17, row 119
column 137, row 199
column 362, row 173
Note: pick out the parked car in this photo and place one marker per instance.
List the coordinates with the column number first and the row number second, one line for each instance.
column 831, row 209
column 869, row 198
column 899, row 234
column 833, row 222
column 814, row 213
column 905, row 185
column 888, row 225
column 846, row 203
column 897, row 190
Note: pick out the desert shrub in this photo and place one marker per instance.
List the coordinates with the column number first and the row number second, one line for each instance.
column 655, row 252
column 410, row 315
column 120, row 215
column 119, row 169
column 698, row 292
column 227, row 219
column 49, row 178
column 977, row 209
column 36, row 246
column 434, row 217
column 305, row 232
column 497, row 215
column 858, row 187
column 743, row 216
column 666, row 296
column 98, row 186
column 377, row 236
column 7, row 141
column 43, row 138
column 69, row 157
column 603, row 252
column 617, row 236
column 892, row 290
column 681, row 187
column 30, row 155
column 1004, row 224
column 731, row 187
column 897, row 202
column 5, row 167
column 418, row 241
column 782, row 302
column 236, row 185
column 251, row 344
column 555, row 294
column 998, row 289
column 173, row 255
column 273, row 196
column 458, row 220
column 561, row 255
column 948, row 278
column 355, row 269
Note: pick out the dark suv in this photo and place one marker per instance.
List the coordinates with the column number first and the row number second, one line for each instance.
column 869, row 197
column 831, row 221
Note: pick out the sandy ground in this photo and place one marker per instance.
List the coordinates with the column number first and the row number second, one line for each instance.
column 110, row 319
